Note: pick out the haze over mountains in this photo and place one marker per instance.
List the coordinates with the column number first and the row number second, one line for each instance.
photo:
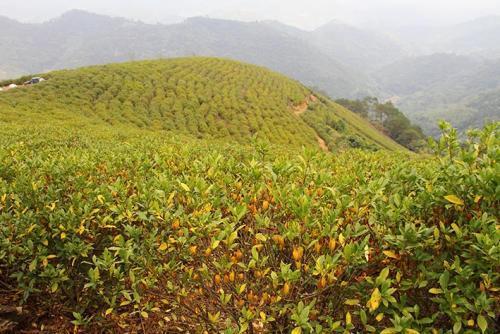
column 79, row 38
column 430, row 72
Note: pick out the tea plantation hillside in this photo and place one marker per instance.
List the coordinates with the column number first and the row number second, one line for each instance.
column 191, row 196
column 200, row 97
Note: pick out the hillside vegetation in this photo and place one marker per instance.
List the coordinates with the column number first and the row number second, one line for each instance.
column 201, row 97
column 104, row 229
column 125, row 209
column 388, row 119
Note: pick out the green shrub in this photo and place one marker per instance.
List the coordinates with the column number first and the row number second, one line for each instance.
column 131, row 228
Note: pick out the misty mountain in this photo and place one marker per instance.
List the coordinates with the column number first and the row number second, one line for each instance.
column 479, row 37
column 359, row 48
column 416, row 73
column 459, row 89
column 78, row 38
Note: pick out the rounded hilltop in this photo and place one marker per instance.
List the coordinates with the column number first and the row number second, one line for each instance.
column 201, row 97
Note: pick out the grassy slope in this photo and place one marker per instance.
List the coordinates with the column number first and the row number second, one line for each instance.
column 203, row 97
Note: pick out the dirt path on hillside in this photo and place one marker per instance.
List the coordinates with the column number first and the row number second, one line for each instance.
column 322, row 144
column 302, row 108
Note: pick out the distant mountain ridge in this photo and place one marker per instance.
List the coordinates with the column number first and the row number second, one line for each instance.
column 357, row 47
column 79, row 38
column 430, row 73
column 460, row 89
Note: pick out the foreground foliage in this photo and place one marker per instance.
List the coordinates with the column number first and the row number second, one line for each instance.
column 149, row 231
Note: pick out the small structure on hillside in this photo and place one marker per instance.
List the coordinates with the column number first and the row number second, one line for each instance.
column 34, row 81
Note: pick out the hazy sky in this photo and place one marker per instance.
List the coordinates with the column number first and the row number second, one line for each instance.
column 303, row 13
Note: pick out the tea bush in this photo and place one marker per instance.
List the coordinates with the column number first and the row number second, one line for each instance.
column 141, row 231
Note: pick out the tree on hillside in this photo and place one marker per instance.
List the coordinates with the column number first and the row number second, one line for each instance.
column 389, row 119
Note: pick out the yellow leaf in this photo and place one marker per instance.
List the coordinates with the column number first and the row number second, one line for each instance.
column 482, row 323
column 213, row 317
column 144, row 315
column 63, row 235
column 108, row 311
column 391, row 254
column 171, row 198
column 436, row 233
column 435, row 291
column 286, row 289
column 332, row 243
column 163, row 247
column 81, row 229
column 341, row 239
column 412, row 331
column 477, row 199
column 100, row 198
column 185, row 187
column 193, row 250
column 454, row 199
column 297, row 330
column 242, row 288
column 389, row 331
column 215, row 244
column 374, row 302
column 263, row 316
column 352, row 302
column 297, row 253
column 348, row 318
column 50, row 257
column 32, row 266
column 379, row 317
